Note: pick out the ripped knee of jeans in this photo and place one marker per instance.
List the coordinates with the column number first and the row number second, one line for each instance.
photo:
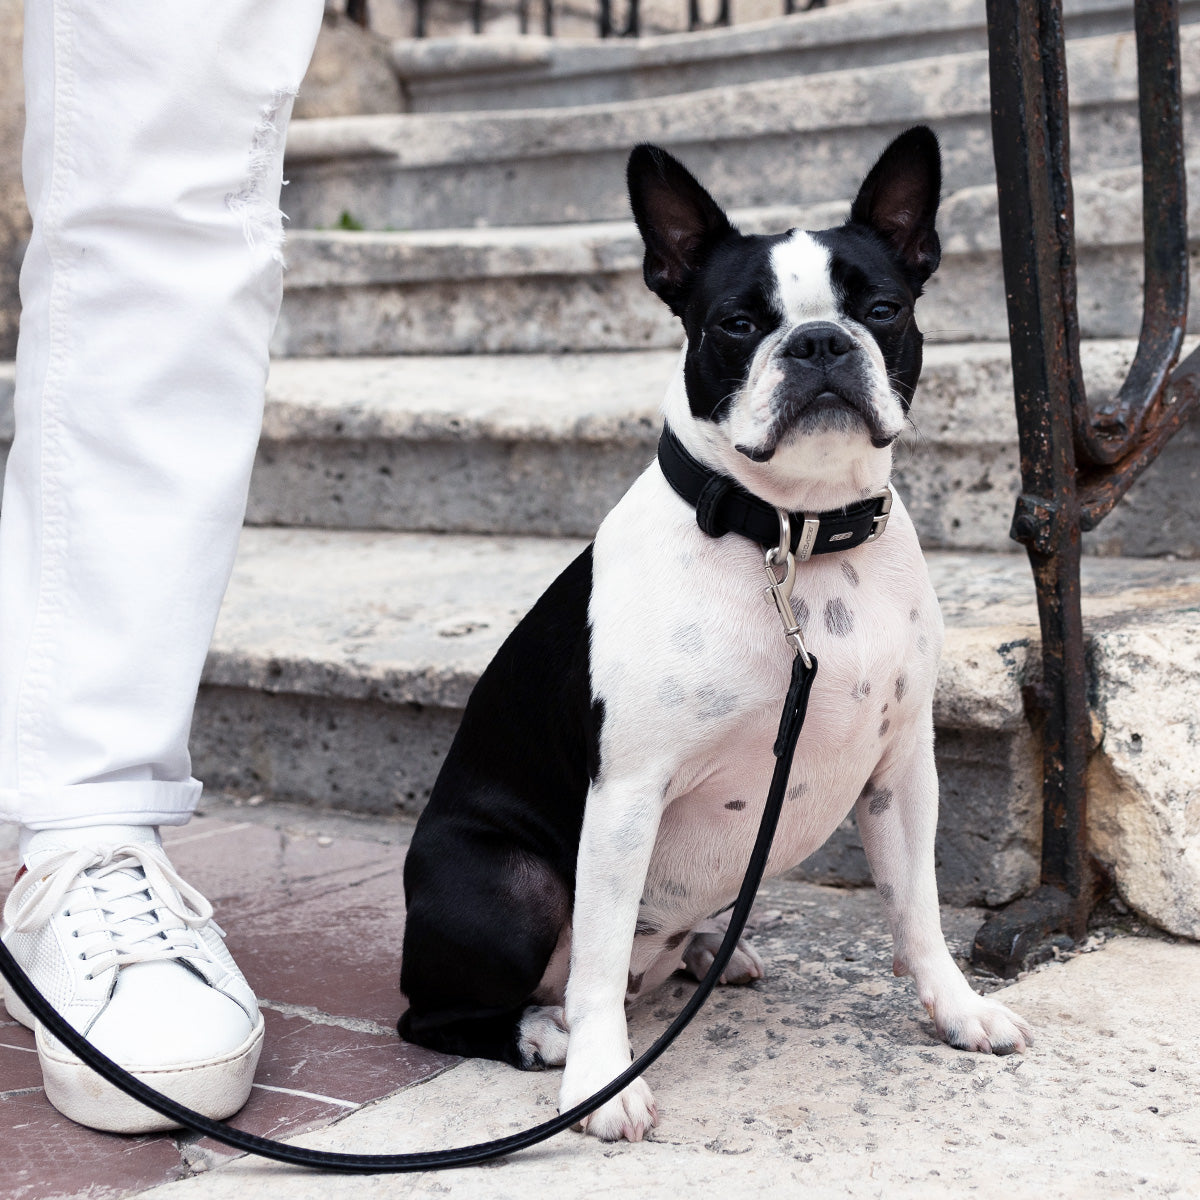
column 256, row 202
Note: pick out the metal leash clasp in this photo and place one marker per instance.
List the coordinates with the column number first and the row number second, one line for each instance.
column 779, row 588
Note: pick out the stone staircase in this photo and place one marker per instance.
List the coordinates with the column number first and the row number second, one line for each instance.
column 467, row 375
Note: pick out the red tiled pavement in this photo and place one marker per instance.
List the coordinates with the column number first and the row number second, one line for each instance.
column 275, row 910
column 18, row 1059
column 316, row 923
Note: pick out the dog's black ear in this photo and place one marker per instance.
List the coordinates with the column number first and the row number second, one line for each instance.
column 678, row 220
column 899, row 199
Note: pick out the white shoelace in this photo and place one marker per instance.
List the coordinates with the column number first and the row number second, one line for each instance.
column 126, row 904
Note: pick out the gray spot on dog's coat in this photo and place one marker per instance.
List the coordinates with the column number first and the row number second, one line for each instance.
column 689, row 638
column 901, row 687
column 839, row 620
column 884, row 726
column 850, row 574
column 677, row 939
column 880, row 799
column 797, row 790
column 800, row 612
column 715, row 703
column 862, row 690
column 887, row 893
column 670, row 692
column 635, row 983
column 914, row 614
column 736, row 805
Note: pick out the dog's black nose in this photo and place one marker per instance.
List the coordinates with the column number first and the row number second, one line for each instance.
column 821, row 341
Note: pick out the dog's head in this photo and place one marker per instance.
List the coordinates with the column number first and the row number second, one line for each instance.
column 802, row 348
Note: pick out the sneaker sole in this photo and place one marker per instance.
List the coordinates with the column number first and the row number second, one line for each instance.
column 215, row 1088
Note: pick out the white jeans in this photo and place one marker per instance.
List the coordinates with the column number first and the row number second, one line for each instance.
column 152, row 282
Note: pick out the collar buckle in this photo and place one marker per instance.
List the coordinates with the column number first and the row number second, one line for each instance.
column 885, row 494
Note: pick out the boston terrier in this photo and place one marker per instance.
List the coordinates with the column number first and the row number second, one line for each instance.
column 598, row 806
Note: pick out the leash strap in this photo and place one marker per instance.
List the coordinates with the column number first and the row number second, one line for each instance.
column 795, row 706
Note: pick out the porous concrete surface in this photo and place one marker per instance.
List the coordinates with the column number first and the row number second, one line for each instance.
column 825, row 1079
column 751, row 144
column 580, row 287
column 458, row 74
column 546, row 444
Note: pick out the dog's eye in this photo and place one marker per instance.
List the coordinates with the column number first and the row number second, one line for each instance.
column 739, row 325
column 883, row 310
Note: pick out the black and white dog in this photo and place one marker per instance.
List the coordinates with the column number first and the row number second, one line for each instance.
column 599, row 803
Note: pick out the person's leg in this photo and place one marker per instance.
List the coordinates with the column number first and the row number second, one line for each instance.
column 150, row 287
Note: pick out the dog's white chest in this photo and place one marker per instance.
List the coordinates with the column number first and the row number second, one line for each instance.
column 692, row 666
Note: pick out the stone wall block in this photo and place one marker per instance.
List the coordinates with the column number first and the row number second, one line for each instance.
column 1144, row 782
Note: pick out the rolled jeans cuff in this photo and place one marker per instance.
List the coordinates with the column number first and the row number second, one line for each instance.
column 148, row 802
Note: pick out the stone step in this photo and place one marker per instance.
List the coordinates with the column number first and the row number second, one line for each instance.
column 470, row 73
column 795, row 140
column 546, row 444
column 579, row 287
column 342, row 661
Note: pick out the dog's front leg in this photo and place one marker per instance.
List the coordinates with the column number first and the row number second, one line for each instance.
column 619, row 828
column 897, row 819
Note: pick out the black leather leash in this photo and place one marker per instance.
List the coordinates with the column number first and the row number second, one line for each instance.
column 804, row 671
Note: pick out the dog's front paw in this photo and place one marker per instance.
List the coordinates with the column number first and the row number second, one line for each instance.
column 744, row 964
column 982, row 1025
column 630, row 1114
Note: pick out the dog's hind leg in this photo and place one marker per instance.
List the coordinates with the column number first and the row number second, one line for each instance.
column 476, row 946
column 744, row 966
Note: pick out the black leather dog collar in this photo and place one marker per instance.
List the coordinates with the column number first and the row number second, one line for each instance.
column 724, row 506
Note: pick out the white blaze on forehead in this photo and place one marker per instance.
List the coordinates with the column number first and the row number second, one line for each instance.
column 806, row 290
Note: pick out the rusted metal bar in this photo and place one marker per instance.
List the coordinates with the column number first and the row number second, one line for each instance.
column 1075, row 466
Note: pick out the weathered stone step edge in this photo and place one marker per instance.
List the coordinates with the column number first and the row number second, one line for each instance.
column 458, row 74
column 547, row 445
column 412, row 619
column 580, row 287
column 1108, row 216
column 1102, row 69
column 965, row 396
column 751, row 144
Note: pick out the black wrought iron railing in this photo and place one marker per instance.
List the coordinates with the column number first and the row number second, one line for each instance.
column 1076, row 463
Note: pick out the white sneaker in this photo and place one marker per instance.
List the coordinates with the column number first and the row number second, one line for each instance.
column 129, row 955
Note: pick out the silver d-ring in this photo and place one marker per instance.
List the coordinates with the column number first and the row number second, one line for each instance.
column 784, row 548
